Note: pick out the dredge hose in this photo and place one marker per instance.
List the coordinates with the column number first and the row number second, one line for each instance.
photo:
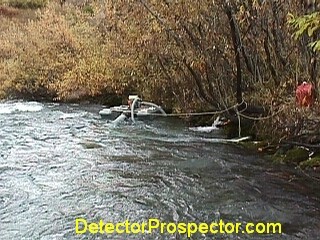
column 145, row 103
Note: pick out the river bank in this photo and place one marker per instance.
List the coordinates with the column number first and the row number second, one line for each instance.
column 287, row 135
column 287, row 154
column 299, row 147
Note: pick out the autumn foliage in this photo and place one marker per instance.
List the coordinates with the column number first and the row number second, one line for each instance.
column 180, row 54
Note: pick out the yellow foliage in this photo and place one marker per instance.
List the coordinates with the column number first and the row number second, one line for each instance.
column 57, row 55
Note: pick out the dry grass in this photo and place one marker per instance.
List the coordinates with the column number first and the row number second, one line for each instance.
column 26, row 4
column 16, row 15
column 8, row 12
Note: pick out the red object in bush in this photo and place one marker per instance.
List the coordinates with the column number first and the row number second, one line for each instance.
column 305, row 95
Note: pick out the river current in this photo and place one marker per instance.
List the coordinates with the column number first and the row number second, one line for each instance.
column 59, row 162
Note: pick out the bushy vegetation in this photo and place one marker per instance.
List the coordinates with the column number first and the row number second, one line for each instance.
column 56, row 56
column 186, row 55
column 307, row 24
column 27, row 4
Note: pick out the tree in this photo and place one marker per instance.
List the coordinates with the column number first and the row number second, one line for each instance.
column 307, row 24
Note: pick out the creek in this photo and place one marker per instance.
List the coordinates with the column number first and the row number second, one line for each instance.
column 59, row 162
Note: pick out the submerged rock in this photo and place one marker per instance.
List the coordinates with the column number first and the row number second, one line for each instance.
column 91, row 145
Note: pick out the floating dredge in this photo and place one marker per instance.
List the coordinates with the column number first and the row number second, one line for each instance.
column 136, row 108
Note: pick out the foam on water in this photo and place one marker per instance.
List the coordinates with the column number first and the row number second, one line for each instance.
column 11, row 107
column 208, row 129
column 65, row 116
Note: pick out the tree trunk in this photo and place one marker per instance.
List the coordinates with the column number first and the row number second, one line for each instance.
column 237, row 49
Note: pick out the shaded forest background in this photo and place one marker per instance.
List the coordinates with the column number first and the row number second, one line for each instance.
column 185, row 55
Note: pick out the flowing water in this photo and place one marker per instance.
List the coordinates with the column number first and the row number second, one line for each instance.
column 62, row 162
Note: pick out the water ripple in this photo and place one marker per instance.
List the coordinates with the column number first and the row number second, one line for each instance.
column 59, row 162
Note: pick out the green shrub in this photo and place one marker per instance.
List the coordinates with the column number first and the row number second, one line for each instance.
column 88, row 9
column 25, row 4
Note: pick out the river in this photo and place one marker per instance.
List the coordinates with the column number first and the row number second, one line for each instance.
column 59, row 162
